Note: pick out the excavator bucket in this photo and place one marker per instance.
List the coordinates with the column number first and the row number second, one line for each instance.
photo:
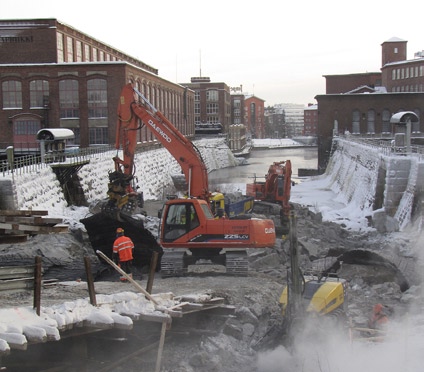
column 101, row 232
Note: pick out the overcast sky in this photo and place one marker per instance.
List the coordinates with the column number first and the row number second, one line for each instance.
column 277, row 50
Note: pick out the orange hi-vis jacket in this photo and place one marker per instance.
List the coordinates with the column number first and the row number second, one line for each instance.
column 124, row 246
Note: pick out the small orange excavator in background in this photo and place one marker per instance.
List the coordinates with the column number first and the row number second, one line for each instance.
column 189, row 231
column 274, row 190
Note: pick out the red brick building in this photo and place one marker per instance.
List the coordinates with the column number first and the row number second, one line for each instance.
column 255, row 116
column 212, row 101
column 54, row 76
column 361, row 105
column 335, row 84
column 310, row 120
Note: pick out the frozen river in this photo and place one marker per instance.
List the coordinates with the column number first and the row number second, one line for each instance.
column 259, row 162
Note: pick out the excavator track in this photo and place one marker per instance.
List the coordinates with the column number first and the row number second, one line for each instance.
column 173, row 264
column 237, row 263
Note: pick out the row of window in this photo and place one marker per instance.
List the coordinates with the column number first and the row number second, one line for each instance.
column 211, row 95
column 407, row 72
column 25, row 130
column 370, row 122
column 409, row 88
column 77, row 51
column 68, row 96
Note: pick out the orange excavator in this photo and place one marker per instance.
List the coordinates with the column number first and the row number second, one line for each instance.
column 189, row 231
column 275, row 190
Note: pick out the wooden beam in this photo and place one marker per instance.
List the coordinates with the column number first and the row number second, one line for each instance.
column 14, row 272
column 15, row 227
column 15, row 284
column 10, row 239
column 23, row 213
column 34, row 220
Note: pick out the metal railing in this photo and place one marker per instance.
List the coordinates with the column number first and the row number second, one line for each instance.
column 385, row 146
column 33, row 163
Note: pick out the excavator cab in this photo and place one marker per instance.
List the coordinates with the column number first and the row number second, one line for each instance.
column 180, row 219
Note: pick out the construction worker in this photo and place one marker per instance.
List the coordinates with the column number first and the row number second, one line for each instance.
column 123, row 252
column 378, row 319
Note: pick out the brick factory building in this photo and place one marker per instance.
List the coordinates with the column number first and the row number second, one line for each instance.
column 54, row 76
column 362, row 104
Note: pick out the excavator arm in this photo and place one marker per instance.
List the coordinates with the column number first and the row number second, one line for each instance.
column 134, row 108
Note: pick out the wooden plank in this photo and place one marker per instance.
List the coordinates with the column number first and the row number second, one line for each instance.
column 15, row 284
column 51, row 221
column 156, row 318
column 15, row 272
column 10, row 239
column 9, row 212
column 33, row 220
column 13, row 227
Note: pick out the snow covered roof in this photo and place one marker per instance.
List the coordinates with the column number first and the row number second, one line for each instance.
column 394, row 39
column 403, row 117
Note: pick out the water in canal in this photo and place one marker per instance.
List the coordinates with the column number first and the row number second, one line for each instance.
column 258, row 164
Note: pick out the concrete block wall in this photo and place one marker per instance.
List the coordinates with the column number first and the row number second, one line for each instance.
column 361, row 174
column 397, row 177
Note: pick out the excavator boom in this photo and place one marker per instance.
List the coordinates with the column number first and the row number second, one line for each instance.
column 134, row 108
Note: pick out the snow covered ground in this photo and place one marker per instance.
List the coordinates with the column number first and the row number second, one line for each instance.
column 42, row 192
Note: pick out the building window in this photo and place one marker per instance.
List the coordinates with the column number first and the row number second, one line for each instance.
column 94, row 55
column 77, row 135
column 356, row 128
column 26, row 127
column 395, row 50
column 12, row 94
column 98, row 135
column 60, row 48
column 69, row 49
column 25, row 133
column 393, row 74
column 86, row 53
column 197, row 95
column 211, row 95
column 97, row 98
column 197, row 108
column 385, row 128
column 78, row 47
column 68, row 99
column 371, row 122
column 416, row 126
column 39, row 93
column 213, row 119
column 211, row 108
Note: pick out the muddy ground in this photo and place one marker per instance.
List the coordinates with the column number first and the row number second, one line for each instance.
column 209, row 342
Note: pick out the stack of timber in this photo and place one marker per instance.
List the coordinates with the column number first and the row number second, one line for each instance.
column 17, row 225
